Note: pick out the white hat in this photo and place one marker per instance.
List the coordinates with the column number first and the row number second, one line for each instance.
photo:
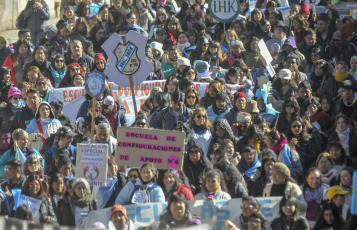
column 157, row 46
column 183, row 61
column 108, row 102
column 202, row 69
column 285, row 74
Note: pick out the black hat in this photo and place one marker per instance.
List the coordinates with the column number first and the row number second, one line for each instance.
column 280, row 23
column 65, row 131
column 63, row 159
column 170, row 9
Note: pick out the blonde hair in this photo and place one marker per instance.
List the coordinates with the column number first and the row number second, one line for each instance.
column 18, row 133
column 231, row 31
column 195, row 112
column 327, row 155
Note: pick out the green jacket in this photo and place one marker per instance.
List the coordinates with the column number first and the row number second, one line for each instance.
column 168, row 69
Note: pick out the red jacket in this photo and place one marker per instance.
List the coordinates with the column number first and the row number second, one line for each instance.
column 185, row 190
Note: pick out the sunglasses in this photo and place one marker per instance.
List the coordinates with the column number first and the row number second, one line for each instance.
column 59, row 61
column 213, row 47
column 75, row 69
column 133, row 176
column 290, row 106
column 296, row 126
column 201, row 116
column 33, row 162
column 191, row 97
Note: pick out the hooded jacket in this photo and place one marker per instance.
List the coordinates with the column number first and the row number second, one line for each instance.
column 51, row 153
column 49, row 127
column 165, row 120
column 22, row 118
column 116, row 118
column 36, row 18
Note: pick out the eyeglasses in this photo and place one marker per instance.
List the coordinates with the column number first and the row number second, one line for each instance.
column 75, row 69
column 17, row 98
column 296, row 126
column 41, row 83
column 33, row 162
column 133, row 176
column 191, row 97
column 199, row 116
column 247, row 206
column 59, row 61
column 290, row 106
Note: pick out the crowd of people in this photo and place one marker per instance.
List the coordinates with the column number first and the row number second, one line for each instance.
column 289, row 132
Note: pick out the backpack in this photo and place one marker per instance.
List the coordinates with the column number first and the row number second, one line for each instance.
column 140, row 194
column 21, row 22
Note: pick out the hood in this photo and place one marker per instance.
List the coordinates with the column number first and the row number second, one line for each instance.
column 37, row 114
column 223, row 124
column 352, row 104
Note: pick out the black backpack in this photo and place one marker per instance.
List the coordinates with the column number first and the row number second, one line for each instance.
column 21, row 22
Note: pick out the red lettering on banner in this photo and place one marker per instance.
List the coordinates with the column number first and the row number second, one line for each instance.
column 146, row 89
column 229, row 88
column 157, row 84
column 127, row 91
column 206, row 89
column 126, row 106
column 120, row 91
column 198, row 86
column 142, row 101
column 137, row 87
column 65, row 96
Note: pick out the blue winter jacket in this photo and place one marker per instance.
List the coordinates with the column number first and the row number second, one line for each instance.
column 155, row 192
column 36, row 18
column 164, row 119
column 212, row 116
column 50, row 155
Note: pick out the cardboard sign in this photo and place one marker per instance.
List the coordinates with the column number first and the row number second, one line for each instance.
column 224, row 10
column 32, row 203
column 92, row 163
column 95, row 83
column 264, row 52
column 163, row 148
column 126, row 56
column 214, row 213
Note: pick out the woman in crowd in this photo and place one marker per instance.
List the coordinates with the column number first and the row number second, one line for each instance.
column 329, row 217
column 219, row 108
column 324, row 163
column 346, row 176
column 226, row 146
column 161, row 101
column 192, row 99
column 80, row 204
column 264, row 178
column 201, row 47
column 171, row 183
column 238, row 27
column 184, row 45
column 299, row 27
column 253, row 136
column 34, row 166
column 71, row 70
column 284, row 185
column 315, row 191
column 289, row 214
column 34, row 187
column 32, row 74
column 97, row 36
column 42, row 126
column 43, row 88
column 213, row 88
column 201, row 128
column 147, row 181
column 248, row 165
column 19, row 150
column 83, row 10
column 17, row 60
column 343, row 134
column 229, row 36
column 159, row 21
column 194, row 166
column 213, row 187
column 172, row 85
column 194, row 16
column 319, row 76
column 177, row 214
column 5, row 80
column 68, row 16
column 280, row 145
column 214, row 56
column 308, row 146
column 81, row 26
column 56, row 190
column 78, row 80
column 289, row 111
column 251, row 56
column 236, row 186
column 58, row 69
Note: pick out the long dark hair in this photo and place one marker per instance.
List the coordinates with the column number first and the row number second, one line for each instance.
column 25, row 188
column 175, row 175
column 293, row 201
column 214, row 173
column 321, row 223
column 304, row 133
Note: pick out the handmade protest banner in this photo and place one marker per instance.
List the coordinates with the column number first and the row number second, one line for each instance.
column 214, row 213
column 73, row 97
column 91, row 163
column 163, row 148
column 32, row 203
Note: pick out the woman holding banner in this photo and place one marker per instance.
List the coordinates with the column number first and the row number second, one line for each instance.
column 34, row 188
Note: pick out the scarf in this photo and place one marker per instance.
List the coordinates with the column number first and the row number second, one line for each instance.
column 249, row 169
column 81, row 202
column 215, row 194
column 22, row 58
column 318, row 116
column 183, row 46
column 284, row 148
column 199, row 129
column 218, row 111
column 327, row 177
column 58, row 76
column 256, row 145
column 314, row 194
column 173, row 63
column 344, row 138
column 340, row 77
column 173, row 36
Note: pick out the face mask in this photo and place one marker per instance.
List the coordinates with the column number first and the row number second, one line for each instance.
column 18, row 104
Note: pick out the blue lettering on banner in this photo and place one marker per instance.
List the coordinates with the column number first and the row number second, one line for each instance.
column 207, row 208
column 138, row 213
column 130, row 211
column 222, row 214
column 265, row 210
column 219, row 225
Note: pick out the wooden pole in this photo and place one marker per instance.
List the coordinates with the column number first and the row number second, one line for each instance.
column 133, row 94
column 92, row 126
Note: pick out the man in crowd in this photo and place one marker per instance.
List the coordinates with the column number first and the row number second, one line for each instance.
column 323, row 31
column 76, row 54
column 103, row 135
